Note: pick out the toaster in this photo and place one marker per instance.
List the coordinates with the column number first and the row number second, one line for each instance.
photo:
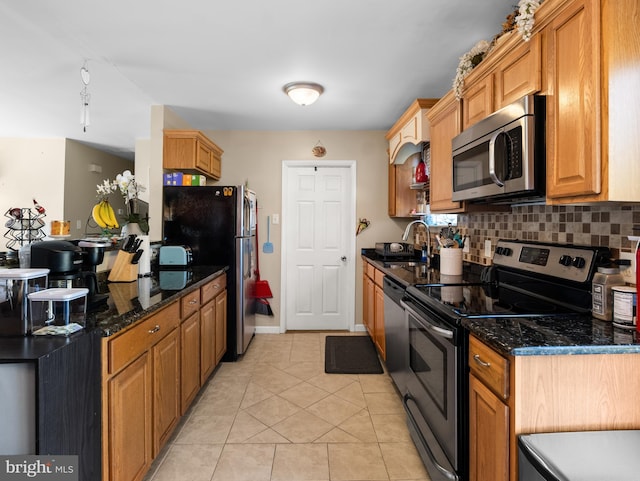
column 175, row 256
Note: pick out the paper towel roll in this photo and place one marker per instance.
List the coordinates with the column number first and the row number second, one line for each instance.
column 144, row 265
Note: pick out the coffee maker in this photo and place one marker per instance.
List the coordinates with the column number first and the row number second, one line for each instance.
column 72, row 264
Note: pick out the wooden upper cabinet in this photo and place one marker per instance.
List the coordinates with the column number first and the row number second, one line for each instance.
column 592, row 106
column 512, row 70
column 411, row 127
column 445, row 120
column 478, row 101
column 519, row 73
column 191, row 151
column 573, row 160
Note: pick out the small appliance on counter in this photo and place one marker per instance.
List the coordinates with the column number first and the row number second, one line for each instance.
column 15, row 286
column 57, row 311
column 72, row 265
column 175, row 256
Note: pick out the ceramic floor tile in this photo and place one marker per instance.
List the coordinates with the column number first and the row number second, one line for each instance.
column 305, row 370
column 273, row 410
column 333, row 409
column 376, row 383
column 384, row 403
column 304, row 394
column 205, row 429
column 300, row 462
column 254, row 394
column 245, row 462
column 402, row 461
column 188, row 463
column 244, row 427
column 302, row 427
column 332, row 382
column 337, row 435
column 391, row 428
column 276, row 381
column 361, row 427
column 268, row 436
column 356, row 462
column 353, row 393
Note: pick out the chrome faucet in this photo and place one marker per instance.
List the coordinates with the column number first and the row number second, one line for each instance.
column 405, row 236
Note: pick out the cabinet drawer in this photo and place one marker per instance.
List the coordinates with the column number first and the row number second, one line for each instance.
column 213, row 288
column 126, row 347
column 490, row 367
column 189, row 303
column 379, row 275
column 370, row 270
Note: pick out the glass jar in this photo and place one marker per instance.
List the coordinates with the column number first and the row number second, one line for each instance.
column 602, row 298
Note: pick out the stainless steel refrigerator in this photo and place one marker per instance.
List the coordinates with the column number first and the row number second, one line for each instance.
column 218, row 223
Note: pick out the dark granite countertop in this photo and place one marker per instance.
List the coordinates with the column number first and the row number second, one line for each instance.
column 524, row 336
column 127, row 303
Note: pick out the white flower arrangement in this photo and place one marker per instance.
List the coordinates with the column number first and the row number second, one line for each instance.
column 467, row 63
column 525, row 19
column 125, row 182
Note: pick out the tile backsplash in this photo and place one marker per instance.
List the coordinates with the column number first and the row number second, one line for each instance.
column 602, row 224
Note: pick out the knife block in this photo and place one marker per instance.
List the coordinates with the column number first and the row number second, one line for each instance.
column 123, row 270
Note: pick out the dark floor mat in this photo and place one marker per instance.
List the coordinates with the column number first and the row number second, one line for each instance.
column 351, row 355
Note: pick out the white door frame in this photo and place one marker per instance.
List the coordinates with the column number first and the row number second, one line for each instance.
column 351, row 248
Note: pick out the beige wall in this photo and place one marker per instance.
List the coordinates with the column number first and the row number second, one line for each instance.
column 255, row 157
column 32, row 168
column 80, row 185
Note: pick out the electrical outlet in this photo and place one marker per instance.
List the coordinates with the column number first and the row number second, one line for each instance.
column 487, row 248
column 275, row 218
column 628, row 272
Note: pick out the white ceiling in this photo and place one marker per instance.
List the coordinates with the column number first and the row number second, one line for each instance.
column 222, row 65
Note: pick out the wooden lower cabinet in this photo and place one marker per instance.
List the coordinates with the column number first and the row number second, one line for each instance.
column 129, row 423
column 373, row 306
column 378, row 321
column 221, row 325
column 190, row 360
column 166, row 388
column 152, row 371
column 207, row 340
column 488, row 434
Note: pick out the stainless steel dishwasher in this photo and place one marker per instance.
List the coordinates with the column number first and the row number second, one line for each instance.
column 396, row 333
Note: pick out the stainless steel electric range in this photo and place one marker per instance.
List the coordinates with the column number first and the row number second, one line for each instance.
column 542, row 283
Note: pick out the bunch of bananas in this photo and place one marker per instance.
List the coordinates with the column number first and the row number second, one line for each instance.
column 104, row 215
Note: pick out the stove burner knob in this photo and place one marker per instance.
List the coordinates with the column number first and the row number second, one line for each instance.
column 499, row 250
column 565, row 260
column 507, row 251
column 578, row 262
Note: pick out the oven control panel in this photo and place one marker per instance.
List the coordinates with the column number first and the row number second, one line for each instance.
column 568, row 262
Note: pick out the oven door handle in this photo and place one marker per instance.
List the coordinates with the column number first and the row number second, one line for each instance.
column 446, row 333
column 447, row 474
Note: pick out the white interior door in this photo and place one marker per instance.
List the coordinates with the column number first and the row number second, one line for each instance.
column 318, row 245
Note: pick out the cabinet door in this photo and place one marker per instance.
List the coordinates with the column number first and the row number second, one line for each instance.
column 221, row 325
column 203, row 157
column 401, row 198
column 378, row 322
column 573, row 106
column 207, row 340
column 189, row 360
column 477, row 101
column 519, row 73
column 166, row 388
column 488, row 434
column 368, row 307
column 130, row 421
column 444, row 121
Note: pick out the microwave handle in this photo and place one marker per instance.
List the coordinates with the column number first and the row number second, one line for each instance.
column 492, row 159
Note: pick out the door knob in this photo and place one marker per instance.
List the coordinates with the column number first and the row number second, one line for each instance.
column 343, row 258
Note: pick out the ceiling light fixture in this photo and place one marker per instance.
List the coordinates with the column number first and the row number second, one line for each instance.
column 303, row 93
column 85, row 96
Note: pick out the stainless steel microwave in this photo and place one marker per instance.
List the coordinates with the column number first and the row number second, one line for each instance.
column 501, row 158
